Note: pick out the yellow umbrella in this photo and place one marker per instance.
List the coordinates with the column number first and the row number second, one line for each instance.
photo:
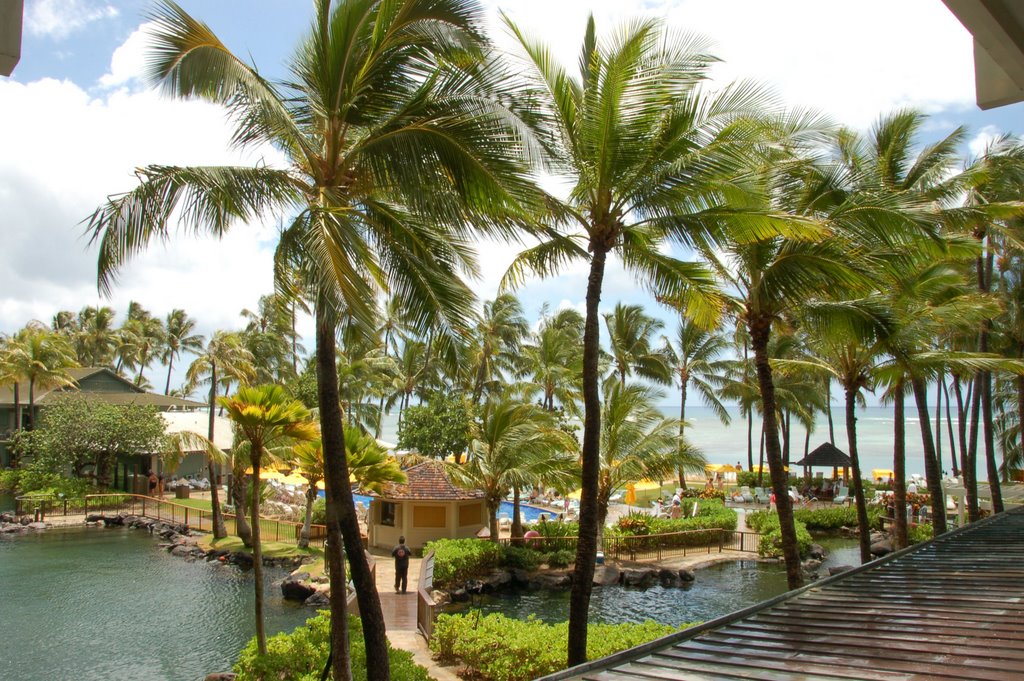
column 294, row 479
column 881, row 474
column 757, row 469
column 575, row 495
column 323, row 485
column 630, row 495
column 266, row 475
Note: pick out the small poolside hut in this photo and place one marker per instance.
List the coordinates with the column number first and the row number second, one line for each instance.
column 826, row 455
column 427, row 506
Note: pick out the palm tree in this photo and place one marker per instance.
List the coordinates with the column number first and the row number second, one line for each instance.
column 693, row 360
column 374, row 84
column 178, row 338
column 267, row 418
column 630, row 337
column 497, row 343
column 41, row 357
column 637, row 442
column 97, row 338
column 552, row 362
column 224, row 356
column 513, row 445
column 646, row 151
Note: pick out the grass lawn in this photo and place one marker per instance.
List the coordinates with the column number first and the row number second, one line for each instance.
column 201, row 504
column 270, row 549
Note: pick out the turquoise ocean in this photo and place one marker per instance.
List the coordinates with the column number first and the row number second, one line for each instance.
column 728, row 443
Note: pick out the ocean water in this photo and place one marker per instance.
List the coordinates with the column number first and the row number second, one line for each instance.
column 728, row 444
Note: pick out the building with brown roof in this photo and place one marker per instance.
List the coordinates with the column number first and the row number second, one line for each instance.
column 427, row 506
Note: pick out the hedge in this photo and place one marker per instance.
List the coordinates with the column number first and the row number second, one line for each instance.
column 301, row 655
column 456, row 560
column 825, row 519
column 497, row 648
column 767, row 524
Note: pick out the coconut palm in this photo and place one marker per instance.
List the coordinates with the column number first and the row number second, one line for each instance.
column 224, row 356
column 637, row 442
column 552, row 361
column 497, row 342
column 394, row 147
column 97, row 338
column 646, row 152
column 267, row 418
column 693, row 358
column 513, row 445
column 42, row 358
column 630, row 338
column 178, row 338
column 11, row 363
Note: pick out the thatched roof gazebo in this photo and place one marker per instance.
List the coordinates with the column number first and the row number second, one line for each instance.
column 826, row 455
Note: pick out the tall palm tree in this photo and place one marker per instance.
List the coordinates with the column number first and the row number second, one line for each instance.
column 97, row 338
column 631, row 341
column 394, row 148
column 267, row 418
column 513, row 445
column 646, row 151
column 497, row 343
column 224, row 356
column 552, row 362
column 178, row 338
column 693, row 359
column 42, row 358
column 11, row 364
column 637, row 442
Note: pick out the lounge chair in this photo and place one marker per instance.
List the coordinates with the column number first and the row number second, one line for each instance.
column 842, row 495
column 504, row 521
column 747, row 495
column 762, row 497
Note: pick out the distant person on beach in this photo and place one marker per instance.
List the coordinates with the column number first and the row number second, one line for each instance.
column 153, row 481
column 401, row 555
column 739, row 467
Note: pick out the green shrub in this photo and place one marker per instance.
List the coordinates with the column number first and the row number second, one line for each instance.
column 560, row 558
column 32, row 481
column 497, row 648
column 835, row 517
column 9, row 478
column 919, row 533
column 770, row 545
column 456, row 560
column 319, row 514
column 301, row 655
column 521, row 557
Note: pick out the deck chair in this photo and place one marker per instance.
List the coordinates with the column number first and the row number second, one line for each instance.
column 747, row 495
column 504, row 521
column 842, row 495
column 761, row 497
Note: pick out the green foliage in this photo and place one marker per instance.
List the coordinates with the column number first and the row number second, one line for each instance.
column 497, row 648
column 521, row 558
column 303, row 387
column 301, row 655
column 319, row 515
column 767, row 524
column 10, row 479
column 560, row 558
column 635, row 523
column 710, row 514
column 456, row 560
column 919, row 533
column 78, row 432
column 32, row 481
column 437, row 429
column 835, row 517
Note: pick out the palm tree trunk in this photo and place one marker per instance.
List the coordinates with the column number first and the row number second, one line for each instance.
column 750, row 439
column 992, row 469
column 257, row 552
column 899, row 468
column 828, row 411
column 760, row 328
column 760, row 463
column 517, row 519
column 784, row 424
column 492, row 518
column 219, row 530
column 931, row 465
column 949, row 429
column 17, row 405
column 342, row 524
column 307, row 522
column 238, row 487
column 170, row 365
column 31, row 403
column 682, row 424
column 971, row 465
column 858, row 485
column 586, row 546
column 938, row 418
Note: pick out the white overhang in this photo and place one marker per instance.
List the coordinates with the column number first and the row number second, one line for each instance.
column 998, row 30
column 10, row 34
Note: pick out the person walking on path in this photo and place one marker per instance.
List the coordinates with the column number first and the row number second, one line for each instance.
column 401, row 555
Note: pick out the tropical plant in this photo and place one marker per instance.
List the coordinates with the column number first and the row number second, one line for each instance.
column 42, row 358
column 552, row 361
column 267, row 418
column 178, row 338
column 630, row 338
column 496, row 344
column 374, row 84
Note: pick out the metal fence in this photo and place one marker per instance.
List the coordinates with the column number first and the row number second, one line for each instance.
column 196, row 518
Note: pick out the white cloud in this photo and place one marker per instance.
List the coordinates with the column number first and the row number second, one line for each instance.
column 58, row 19
column 980, row 142
column 127, row 64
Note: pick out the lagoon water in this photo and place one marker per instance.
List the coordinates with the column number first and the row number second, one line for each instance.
column 98, row 604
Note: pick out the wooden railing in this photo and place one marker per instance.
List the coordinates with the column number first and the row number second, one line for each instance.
column 426, row 610
column 196, row 518
column 652, row 546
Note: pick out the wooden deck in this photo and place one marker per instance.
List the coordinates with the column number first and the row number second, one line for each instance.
column 399, row 609
column 951, row 608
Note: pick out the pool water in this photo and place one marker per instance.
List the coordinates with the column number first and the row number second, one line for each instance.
column 530, row 514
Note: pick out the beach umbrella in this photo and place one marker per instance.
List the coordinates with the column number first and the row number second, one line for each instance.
column 266, row 474
column 630, row 495
column 294, row 479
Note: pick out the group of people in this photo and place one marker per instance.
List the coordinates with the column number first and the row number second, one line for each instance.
column 673, row 509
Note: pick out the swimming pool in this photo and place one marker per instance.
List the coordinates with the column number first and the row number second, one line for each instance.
column 356, row 498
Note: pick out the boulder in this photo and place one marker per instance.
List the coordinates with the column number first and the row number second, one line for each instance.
column 553, row 580
column 459, row 596
column 669, row 578
column 221, row 676
column 300, row 575
column 319, row 599
column 182, row 551
column 26, row 519
column 836, row 569
column 520, row 577
column 606, row 575
column 7, row 517
column 499, row 579
column 686, row 575
column 12, row 528
column 882, row 548
column 817, row 552
column 296, row 590
column 641, row 577
column 37, row 526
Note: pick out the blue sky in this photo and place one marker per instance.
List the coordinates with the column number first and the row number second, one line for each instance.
column 75, row 120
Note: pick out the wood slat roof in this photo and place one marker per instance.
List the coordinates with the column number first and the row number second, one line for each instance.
column 951, row 608
column 827, row 455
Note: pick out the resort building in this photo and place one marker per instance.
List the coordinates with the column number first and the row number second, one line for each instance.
column 428, row 506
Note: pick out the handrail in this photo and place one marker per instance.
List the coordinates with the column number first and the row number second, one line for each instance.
column 426, row 610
